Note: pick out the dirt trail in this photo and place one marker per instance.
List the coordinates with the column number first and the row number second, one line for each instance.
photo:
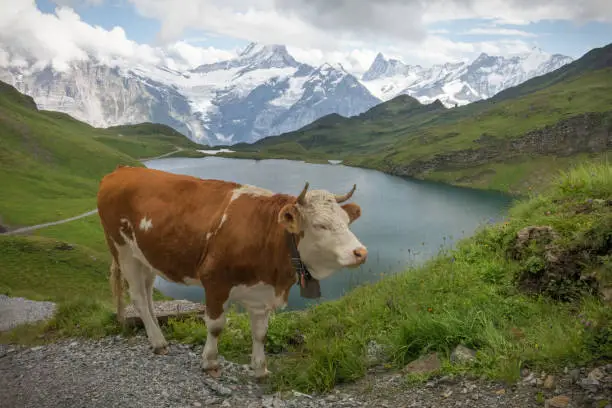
column 48, row 224
column 88, row 213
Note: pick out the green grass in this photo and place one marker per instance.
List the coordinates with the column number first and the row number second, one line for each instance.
column 465, row 296
column 50, row 167
column 51, row 164
column 146, row 140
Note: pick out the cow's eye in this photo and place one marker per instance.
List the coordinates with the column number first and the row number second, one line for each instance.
column 320, row 227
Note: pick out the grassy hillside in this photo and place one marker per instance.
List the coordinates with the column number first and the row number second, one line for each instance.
column 427, row 141
column 50, row 167
column 50, row 163
column 146, row 140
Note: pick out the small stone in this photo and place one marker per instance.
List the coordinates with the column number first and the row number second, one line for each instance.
column 165, row 394
column 424, row 365
column 447, row 393
column 574, row 375
column 197, row 404
column 226, row 403
column 462, row 354
column 549, row 382
column 560, row 401
column 500, row 392
column 597, row 374
column 589, row 384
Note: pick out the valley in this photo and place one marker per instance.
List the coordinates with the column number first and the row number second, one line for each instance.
column 522, row 307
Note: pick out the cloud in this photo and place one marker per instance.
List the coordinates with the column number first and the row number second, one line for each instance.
column 74, row 3
column 183, row 55
column 330, row 24
column 29, row 36
column 350, row 32
column 498, row 31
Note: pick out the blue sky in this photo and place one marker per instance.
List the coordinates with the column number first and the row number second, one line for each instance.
column 444, row 30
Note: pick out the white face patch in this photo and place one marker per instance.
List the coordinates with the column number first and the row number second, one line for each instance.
column 250, row 190
column 328, row 244
column 146, row 224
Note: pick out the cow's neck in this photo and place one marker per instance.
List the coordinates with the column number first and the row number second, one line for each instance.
column 309, row 286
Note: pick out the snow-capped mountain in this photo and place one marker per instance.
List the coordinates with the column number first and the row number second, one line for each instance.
column 458, row 83
column 263, row 91
column 103, row 96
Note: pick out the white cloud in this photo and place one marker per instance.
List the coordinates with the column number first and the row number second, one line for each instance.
column 326, row 24
column 184, row 55
column 498, row 31
column 315, row 31
column 28, row 35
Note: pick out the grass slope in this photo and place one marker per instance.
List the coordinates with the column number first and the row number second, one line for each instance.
column 467, row 296
column 50, row 167
column 50, row 163
column 146, row 140
column 401, row 132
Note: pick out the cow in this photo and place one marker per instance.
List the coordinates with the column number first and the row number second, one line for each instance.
column 241, row 243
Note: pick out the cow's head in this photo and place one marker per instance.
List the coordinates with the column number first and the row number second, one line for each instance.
column 326, row 243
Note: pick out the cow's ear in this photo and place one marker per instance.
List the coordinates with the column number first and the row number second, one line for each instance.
column 353, row 210
column 289, row 218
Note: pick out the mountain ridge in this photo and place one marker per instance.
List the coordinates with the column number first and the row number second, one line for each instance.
column 529, row 131
column 263, row 91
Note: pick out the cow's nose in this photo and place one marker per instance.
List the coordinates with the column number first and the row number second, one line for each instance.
column 361, row 254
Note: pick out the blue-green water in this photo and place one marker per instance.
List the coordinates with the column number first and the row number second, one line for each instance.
column 403, row 221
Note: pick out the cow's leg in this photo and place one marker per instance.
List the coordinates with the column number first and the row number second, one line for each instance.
column 215, row 322
column 138, row 277
column 259, row 330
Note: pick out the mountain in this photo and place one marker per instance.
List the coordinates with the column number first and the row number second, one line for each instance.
column 104, row 96
column 263, row 91
column 515, row 140
column 458, row 83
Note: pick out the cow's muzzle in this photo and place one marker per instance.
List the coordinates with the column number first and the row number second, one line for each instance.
column 360, row 255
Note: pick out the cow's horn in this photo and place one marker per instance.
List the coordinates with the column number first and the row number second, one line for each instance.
column 302, row 195
column 343, row 198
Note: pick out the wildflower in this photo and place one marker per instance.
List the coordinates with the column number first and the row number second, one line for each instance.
column 429, row 309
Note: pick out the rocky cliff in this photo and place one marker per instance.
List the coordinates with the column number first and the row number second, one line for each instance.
column 585, row 133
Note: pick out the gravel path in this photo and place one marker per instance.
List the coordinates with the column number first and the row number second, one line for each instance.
column 17, row 310
column 119, row 372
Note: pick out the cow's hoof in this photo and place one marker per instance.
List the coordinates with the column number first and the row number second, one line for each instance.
column 213, row 372
column 262, row 375
column 163, row 350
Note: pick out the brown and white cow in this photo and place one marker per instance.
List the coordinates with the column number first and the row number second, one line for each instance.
column 234, row 240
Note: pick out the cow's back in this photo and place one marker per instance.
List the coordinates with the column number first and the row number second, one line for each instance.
column 166, row 216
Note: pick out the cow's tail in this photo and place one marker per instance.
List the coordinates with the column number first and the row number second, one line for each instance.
column 116, row 282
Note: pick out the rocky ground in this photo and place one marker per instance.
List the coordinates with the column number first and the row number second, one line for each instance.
column 120, row 372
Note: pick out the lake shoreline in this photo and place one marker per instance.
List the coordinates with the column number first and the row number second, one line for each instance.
column 254, row 156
